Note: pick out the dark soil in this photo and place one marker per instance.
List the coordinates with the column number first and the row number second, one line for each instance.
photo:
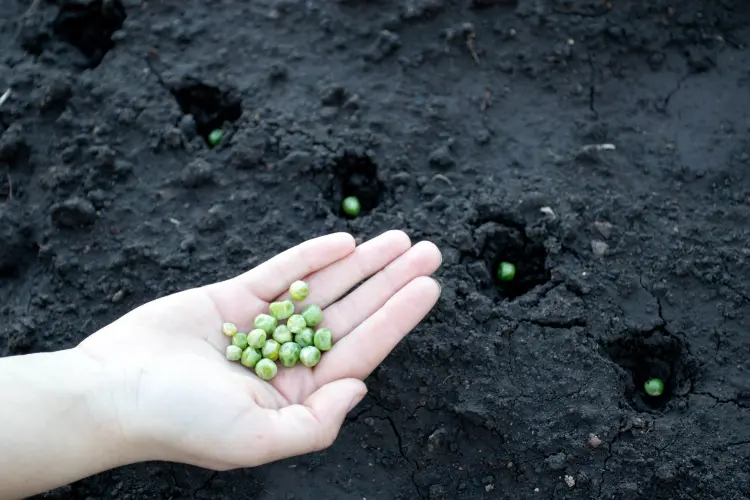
column 471, row 124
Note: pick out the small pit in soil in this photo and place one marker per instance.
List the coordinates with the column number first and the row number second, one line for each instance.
column 655, row 354
column 505, row 243
column 89, row 26
column 356, row 175
column 210, row 106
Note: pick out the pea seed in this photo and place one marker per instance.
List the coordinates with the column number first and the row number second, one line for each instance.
column 256, row 338
column 309, row 356
column 296, row 323
column 250, row 357
column 266, row 369
column 240, row 340
column 305, row 337
column 323, row 339
column 299, row 291
column 281, row 310
column 233, row 353
column 312, row 315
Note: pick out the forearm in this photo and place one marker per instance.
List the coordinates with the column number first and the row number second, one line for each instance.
column 55, row 424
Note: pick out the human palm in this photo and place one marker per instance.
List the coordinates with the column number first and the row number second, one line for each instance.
column 181, row 400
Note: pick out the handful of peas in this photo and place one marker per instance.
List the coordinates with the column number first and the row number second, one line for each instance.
column 281, row 335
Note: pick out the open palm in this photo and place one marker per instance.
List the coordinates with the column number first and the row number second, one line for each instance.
column 181, row 400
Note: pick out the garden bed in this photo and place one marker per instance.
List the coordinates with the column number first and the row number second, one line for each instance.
column 603, row 147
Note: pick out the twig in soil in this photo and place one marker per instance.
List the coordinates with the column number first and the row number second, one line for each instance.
column 443, row 178
column 470, row 38
column 10, row 188
column 4, row 97
column 598, row 147
column 486, row 101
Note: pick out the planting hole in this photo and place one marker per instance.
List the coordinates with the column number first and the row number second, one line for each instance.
column 89, row 26
column 356, row 175
column 210, row 106
column 654, row 354
column 510, row 244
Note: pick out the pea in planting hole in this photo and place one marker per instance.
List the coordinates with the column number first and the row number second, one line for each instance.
column 654, row 354
column 211, row 107
column 356, row 175
column 504, row 242
column 89, row 26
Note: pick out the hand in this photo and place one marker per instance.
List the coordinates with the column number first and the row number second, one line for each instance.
column 177, row 398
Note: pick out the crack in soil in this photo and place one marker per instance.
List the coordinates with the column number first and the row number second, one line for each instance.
column 722, row 401
column 592, row 85
column 205, row 483
column 611, row 443
column 662, row 108
column 551, row 323
column 403, row 454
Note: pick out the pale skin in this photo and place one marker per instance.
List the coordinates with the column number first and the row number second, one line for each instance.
column 155, row 384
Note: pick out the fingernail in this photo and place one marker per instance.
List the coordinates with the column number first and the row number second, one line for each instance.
column 440, row 286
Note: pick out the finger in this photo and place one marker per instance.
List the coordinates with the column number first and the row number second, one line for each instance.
column 274, row 276
column 311, row 426
column 422, row 259
column 329, row 284
column 360, row 352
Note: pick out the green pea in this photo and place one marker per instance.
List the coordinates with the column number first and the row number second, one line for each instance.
column 233, row 353
column 309, row 356
column 312, row 315
column 506, row 271
column 266, row 369
column 240, row 340
column 266, row 323
column 305, row 337
column 256, row 338
column 654, row 387
column 281, row 310
column 282, row 335
column 299, row 290
column 215, row 137
column 271, row 350
column 323, row 339
column 296, row 323
column 289, row 354
column 229, row 329
column 250, row 357
column 351, row 206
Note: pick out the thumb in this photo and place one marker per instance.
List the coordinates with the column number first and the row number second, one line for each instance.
column 314, row 425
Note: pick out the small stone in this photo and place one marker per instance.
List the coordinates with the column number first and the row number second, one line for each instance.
column 604, row 228
column 594, row 441
column 118, row 296
column 441, row 159
column 188, row 126
column 570, row 481
column 386, row 44
column 489, row 487
column 599, row 248
column 197, row 173
column 74, row 212
column 172, row 137
column 556, row 461
column 436, row 439
column 334, row 95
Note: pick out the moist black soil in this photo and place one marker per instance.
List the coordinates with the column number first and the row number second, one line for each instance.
column 602, row 146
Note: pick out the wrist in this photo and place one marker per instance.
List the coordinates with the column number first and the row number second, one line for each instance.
column 64, row 424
